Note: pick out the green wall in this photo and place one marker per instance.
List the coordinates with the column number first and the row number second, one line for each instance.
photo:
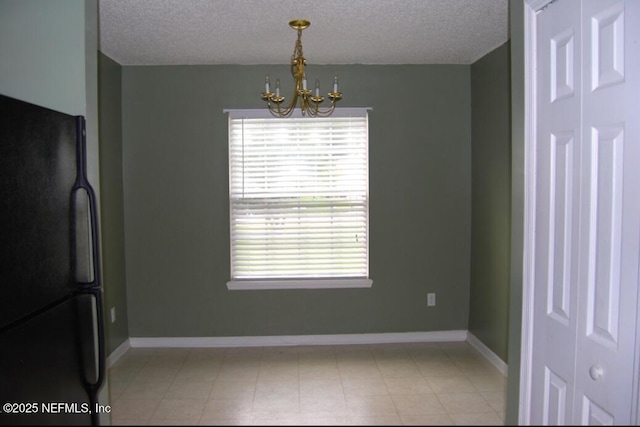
column 42, row 46
column 177, row 216
column 112, row 212
column 490, row 200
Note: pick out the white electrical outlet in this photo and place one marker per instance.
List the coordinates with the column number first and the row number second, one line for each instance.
column 431, row 299
column 113, row 314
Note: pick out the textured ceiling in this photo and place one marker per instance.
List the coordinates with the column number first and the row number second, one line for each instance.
column 163, row 32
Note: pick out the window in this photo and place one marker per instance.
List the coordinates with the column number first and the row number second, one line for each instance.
column 299, row 200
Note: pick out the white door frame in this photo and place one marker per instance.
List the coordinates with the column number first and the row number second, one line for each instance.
column 531, row 7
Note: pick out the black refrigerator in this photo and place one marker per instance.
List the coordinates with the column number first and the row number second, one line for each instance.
column 52, row 356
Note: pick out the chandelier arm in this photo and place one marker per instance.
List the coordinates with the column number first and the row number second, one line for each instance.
column 316, row 111
column 286, row 111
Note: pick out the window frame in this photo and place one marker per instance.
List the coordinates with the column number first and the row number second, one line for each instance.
column 296, row 283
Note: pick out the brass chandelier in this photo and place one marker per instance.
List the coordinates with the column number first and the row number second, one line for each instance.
column 309, row 100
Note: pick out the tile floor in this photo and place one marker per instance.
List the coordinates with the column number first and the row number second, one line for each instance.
column 369, row 384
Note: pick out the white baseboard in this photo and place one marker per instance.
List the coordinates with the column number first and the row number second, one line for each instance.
column 118, row 353
column 292, row 340
column 487, row 353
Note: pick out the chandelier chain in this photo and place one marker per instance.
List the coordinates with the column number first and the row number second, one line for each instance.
column 297, row 50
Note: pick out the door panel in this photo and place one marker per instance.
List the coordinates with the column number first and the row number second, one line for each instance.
column 555, row 399
column 587, row 220
column 593, row 415
column 607, row 44
column 557, row 213
column 603, row 224
column 610, row 250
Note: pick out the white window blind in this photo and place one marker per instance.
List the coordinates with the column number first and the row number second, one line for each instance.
column 298, row 191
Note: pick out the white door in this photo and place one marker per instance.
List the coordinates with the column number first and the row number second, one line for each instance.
column 584, row 245
column 557, row 211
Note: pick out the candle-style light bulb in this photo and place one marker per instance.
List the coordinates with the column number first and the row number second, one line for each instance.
column 266, row 84
column 335, row 83
column 277, row 87
column 304, row 82
column 317, row 87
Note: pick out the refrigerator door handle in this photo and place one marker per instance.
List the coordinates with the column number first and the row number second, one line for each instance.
column 84, row 221
column 85, row 270
column 93, row 357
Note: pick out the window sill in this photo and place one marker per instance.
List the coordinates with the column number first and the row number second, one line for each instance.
column 245, row 285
